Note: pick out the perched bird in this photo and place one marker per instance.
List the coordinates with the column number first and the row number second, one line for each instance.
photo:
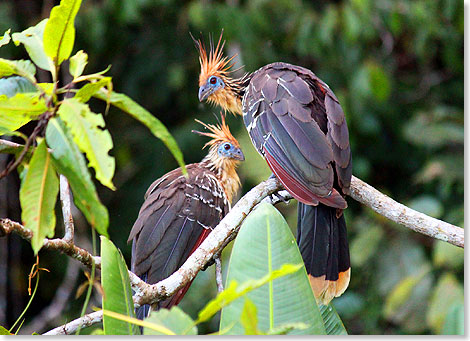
column 179, row 212
column 297, row 124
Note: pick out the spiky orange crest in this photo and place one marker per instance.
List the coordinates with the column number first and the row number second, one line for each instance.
column 219, row 133
column 214, row 63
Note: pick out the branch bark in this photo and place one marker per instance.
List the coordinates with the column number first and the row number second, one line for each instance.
column 227, row 230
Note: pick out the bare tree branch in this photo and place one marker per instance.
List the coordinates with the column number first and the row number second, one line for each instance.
column 82, row 322
column 228, row 228
column 66, row 209
column 405, row 216
column 218, row 274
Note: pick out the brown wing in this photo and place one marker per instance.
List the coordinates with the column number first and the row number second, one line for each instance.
column 176, row 212
column 297, row 124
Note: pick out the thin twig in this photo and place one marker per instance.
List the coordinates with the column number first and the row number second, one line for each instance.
column 218, row 274
column 66, row 209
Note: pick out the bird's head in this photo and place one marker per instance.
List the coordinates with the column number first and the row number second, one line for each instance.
column 215, row 84
column 224, row 155
column 223, row 147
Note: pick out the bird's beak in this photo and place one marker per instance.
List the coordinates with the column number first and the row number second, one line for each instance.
column 238, row 155
column 204, row 92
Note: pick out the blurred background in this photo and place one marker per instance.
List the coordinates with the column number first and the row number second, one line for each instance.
column 397, row 68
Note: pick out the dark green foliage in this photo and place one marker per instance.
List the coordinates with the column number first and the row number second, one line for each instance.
column 397, row 68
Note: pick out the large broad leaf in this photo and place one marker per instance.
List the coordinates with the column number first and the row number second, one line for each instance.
column 117, row 290
column 263, row 244
column 10, row 86
column 38, row 196
column 332, row 321
column 88, row 132
column 59, row 34
column 454, row 323
column 31, row 38
column 234, row 291
column 174, row 320
column 21, row 67
column 18, row 110
column 157, row 128
column 69, row 161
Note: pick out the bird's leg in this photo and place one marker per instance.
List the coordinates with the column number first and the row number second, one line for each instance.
column 276, row 196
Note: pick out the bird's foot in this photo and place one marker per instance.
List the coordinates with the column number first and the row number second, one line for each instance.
column 278, row 197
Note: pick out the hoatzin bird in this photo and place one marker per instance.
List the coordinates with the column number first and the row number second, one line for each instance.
column 179, row 212
column 296, row 123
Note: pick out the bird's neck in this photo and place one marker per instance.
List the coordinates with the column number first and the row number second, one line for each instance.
column 231, row 98
column 225, row 171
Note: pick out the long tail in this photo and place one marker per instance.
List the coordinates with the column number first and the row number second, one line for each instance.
column 323, row 243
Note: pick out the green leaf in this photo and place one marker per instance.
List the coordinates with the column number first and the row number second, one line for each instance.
column 264, row 243
column 447, row 292
column 117, row 290
column 32, row 39
column 331, row 320
column 78, row 63
column 249, row 319
column 235, row 291
column 175, row 320
column 4, row 331
column 38, row 196
column 21, row 67
column 20, row 109
column 59, row 34
column 69, row 161
column 5, row 39
column 454, row 323
column 379, row 82
column 286, row 328
column 10, row 86
column 88, row 90
column 157, row 128
column 88, row 132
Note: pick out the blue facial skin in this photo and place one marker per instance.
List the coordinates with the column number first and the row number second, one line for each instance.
column 213, row 84
column 228, row 150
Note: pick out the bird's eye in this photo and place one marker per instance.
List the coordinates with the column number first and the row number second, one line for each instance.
column 227, row 146
column 213, row 80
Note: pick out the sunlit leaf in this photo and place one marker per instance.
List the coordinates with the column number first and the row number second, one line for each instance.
column 90, row 89
column 4, row 331
column 88, row 132
column 21, row 67
column 32, row 39
column 235, row 291
column 175, row 320
column 117, row 290
column 5, row 39
column 38, row 196
column 264, row 243
column 78, row 63
column 127, row 105
column 59, row 33
column 69, row 161
column 249, row 318
column 19, row 110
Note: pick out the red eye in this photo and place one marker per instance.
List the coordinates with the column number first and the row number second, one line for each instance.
column 213, row 80
column 227, row 146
